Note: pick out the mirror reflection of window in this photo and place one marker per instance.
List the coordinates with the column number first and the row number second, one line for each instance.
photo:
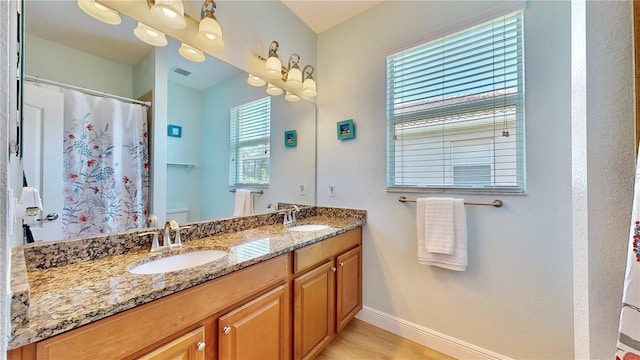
column 250, row 140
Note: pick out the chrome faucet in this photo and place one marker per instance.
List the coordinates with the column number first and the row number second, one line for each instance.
column 287, row 216
column 169, row 226
column 295, row 210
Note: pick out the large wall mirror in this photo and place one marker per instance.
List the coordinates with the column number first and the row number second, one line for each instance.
column 189, row 177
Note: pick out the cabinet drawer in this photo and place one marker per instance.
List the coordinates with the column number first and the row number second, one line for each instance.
column 312, row 255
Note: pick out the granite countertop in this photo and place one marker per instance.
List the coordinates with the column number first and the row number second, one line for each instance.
column 65, row 297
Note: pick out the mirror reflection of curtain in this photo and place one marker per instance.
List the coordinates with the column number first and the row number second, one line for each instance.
column 106, row 165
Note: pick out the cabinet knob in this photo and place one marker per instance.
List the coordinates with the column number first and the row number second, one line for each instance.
column 341, row 264
column 200, row 346
column 226, row 330
column 333, row 269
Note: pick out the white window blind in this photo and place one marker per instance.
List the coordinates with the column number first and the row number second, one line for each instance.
column 250, row 143
column 455, row 111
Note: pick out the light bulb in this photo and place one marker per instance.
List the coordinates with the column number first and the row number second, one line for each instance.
column 171, row 11
column 291, row 97
column 100, row 12
column 255, row 81
column 294, row 78
column 309, row 87
column 190, row 53
column 150, row 35
column 274, row 90
column 274, row 67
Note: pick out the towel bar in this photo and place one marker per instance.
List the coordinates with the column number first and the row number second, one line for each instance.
column 495, row 203
column 253, row 192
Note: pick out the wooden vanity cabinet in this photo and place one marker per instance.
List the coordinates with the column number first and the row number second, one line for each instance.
column 246, row 314
column 167, row 325
column 190, row 346
column 327, row 291
column 258, row 329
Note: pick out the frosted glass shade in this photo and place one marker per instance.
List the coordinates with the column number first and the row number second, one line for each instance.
column 294, row 78
column 291, row 97
column 255, row 81
column 171, row 11
column 150, row 35
column 274, row 67
column 209, row 28
column 309, row 87
column 190, row 53
column 274, row 90
column 100, row 12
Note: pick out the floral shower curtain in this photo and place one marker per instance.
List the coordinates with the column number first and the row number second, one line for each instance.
column 629, row 329
column 106, row 165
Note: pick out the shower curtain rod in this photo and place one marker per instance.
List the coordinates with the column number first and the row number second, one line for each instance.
column 85, row 90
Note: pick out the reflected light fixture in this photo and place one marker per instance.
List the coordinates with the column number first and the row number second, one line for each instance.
column 100, row 12
column 291, row 75
column 274, row 90
column 291, row 97
column 190, row 53
column 209, row 29
column 255, row 81
column 150, row 35
column 172, row 11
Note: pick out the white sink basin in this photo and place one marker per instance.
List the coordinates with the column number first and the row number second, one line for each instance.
column 309, row 227
column 178, row 262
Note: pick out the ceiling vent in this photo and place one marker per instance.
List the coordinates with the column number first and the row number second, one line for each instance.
column 181, row 71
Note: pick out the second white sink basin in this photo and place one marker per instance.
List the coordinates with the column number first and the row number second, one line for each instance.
column 178, row 262
column 309, row 227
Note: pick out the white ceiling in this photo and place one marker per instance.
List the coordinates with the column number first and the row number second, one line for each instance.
column 323, row 15
column 64, row 23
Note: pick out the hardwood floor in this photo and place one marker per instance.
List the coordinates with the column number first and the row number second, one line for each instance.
column 360, row 340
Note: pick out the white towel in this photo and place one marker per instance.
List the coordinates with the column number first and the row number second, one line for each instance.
column 458, row 259
column 439, row 225
column 243, row 203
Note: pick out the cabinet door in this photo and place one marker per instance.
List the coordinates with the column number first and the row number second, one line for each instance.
column 258, row 329
column 348, row 287
column 187, row 347
column 313, row 310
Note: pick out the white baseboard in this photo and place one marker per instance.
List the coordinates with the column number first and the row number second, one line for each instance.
column 432, row 339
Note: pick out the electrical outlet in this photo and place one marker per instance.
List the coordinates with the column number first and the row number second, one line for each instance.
column 332, row 190
column 301, row 189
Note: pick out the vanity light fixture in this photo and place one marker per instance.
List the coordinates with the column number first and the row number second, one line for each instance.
column 100, row 12
column 274, row 90
column 209, row 28
column 150, row 35
column 291, row 75
column 273, row 65
column 291, row 97
column 309, row 84
column 190, row 53
column 255, row 81
column 172, row 11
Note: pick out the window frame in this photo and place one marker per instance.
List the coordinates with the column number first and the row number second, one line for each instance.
column 506, row 101
column 236, row 145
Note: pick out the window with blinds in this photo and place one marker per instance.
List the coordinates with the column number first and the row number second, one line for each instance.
column 250, row 143
column 455, row 111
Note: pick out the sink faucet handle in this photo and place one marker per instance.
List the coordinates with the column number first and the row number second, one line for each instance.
column 152, row 221
column 155, row 246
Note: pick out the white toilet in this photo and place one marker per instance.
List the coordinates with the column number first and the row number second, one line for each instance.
column 181, row 215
